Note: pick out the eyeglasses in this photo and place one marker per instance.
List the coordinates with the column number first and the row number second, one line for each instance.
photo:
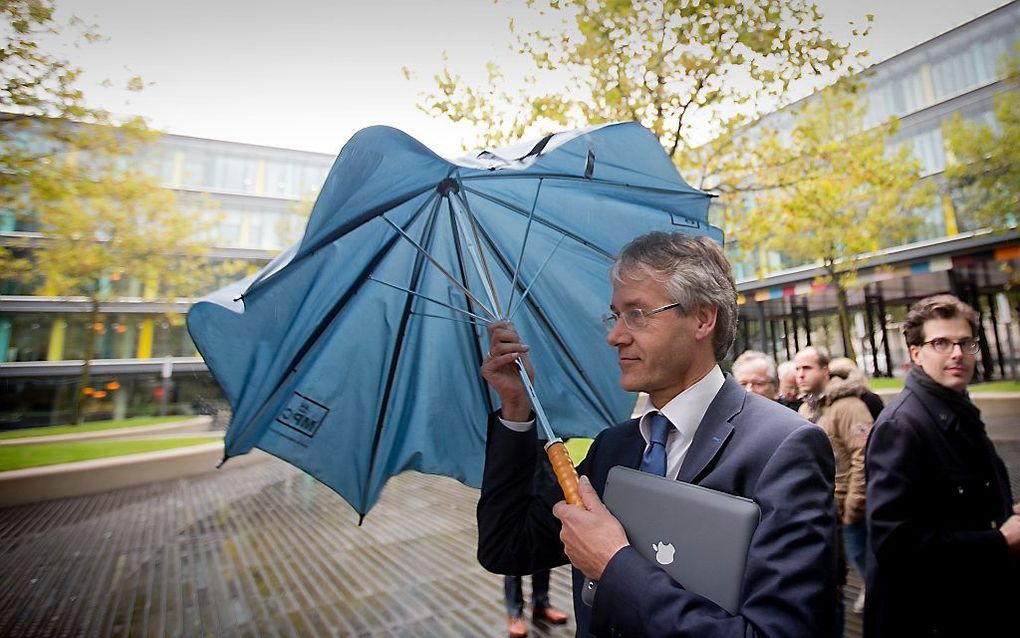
column 635, row 318
column 942, row 345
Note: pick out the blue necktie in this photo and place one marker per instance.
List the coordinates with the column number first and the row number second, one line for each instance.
column 654, row 460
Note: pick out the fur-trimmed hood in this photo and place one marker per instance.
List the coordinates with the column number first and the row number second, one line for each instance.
column 845, row 380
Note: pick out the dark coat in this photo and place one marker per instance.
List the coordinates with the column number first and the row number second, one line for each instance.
column 937, row 491
column 745, row 445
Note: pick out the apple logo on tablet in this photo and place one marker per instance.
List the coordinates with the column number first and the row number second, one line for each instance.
column 663, row 552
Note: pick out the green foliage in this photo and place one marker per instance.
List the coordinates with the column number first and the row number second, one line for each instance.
column 985, row 171
column 91, row 426
column 837, row 191
column 16, row 457
column 672, row 65
column 78, row 177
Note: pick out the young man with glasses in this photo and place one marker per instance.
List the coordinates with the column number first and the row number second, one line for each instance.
column 943, row 533
column 672, row 318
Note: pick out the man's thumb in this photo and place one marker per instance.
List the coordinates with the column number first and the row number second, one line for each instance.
column 589, row 497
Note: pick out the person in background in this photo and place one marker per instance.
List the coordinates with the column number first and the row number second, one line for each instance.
column 789, row 394
column 855, row 533
column 513, row 593
column 541, row 609
column 873, row 401
column 756, row 372
column 833, row 401
column 943, row 531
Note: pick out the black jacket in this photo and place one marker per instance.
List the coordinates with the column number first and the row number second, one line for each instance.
column 937, row 491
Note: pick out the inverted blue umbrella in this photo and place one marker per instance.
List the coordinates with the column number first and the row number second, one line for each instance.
column 354, row 355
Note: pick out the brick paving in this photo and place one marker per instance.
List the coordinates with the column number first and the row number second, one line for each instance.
column 261, row 550
column 264, row 550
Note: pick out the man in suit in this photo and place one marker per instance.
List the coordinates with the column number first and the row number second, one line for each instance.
column 943, row 531
column 673, row 316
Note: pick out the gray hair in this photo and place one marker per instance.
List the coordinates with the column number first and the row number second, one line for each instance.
column 785, row 368
column 753, row 356
column 694, row 272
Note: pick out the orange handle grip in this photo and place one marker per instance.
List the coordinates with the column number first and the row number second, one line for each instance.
column 566, row 475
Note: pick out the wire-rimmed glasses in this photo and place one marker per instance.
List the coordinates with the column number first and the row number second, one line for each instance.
column 635, row 318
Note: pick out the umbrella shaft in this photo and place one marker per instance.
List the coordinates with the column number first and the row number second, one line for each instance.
column 540, row 417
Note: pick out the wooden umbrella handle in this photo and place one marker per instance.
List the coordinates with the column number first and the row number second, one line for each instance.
column 566, row 475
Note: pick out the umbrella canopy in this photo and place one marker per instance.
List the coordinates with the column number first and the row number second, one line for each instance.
column 354, row 355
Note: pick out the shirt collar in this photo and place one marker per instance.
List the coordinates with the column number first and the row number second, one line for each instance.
column 686, row 410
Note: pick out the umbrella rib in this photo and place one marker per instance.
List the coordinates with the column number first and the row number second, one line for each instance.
column 543, row 221
column 427, row 233
column 435, row 301
column 587, row 180
column 439, row 267
column 359, row 221
column 329, row 317
column 520, row 257
column 458, row 250
column 475, row 249
column 541, row 317
column 481, row 263
column 538, row 275
column 484, row 323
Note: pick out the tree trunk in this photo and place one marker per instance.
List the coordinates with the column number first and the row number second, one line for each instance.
column 78, row 416
column 844, row 318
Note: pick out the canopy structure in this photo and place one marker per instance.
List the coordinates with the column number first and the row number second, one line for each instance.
column 354, row 355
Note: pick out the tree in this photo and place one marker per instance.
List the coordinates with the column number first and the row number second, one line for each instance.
column 679, row 67
column 79, row 178
column 839, row 192
column 985, row 172
column 101, row 219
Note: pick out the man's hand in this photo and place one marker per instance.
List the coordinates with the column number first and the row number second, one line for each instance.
column 500, row 370
column 1011, row 530
column 591, row 535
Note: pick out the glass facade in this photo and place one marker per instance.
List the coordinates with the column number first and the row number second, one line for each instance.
column 63, row 336
column 38, row 401
column 916, row 87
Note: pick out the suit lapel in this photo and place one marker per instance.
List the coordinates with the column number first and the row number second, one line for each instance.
column 713, row 432
column 633, row 448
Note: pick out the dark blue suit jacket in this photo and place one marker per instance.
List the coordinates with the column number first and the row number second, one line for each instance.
column 745, row 445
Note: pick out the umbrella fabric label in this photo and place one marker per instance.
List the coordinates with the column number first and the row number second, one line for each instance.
column 302, row 414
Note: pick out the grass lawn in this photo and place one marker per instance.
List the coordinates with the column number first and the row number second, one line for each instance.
column 884, row 383
column 16, row 457
column 578, row 448
column 91, row 426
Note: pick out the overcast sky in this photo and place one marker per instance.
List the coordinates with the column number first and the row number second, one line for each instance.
column 307, row 74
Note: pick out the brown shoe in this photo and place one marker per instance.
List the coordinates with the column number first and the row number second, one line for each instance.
column 515, row 627
column 550, row 615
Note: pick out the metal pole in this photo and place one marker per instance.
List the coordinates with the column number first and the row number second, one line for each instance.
column 868, row 314
column 995, row 330
column 885, row 334
column 762, row 328
column 469, row 237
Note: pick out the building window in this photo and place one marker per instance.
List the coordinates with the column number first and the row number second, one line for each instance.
column 929, row 149
column 197, row 169
column 911, row 96
column 234, row 173
column 29, row 337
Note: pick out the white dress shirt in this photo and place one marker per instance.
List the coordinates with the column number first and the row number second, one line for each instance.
column 685, row 411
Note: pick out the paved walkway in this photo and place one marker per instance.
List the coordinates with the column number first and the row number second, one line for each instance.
column 262, row 550
column 257, row 550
